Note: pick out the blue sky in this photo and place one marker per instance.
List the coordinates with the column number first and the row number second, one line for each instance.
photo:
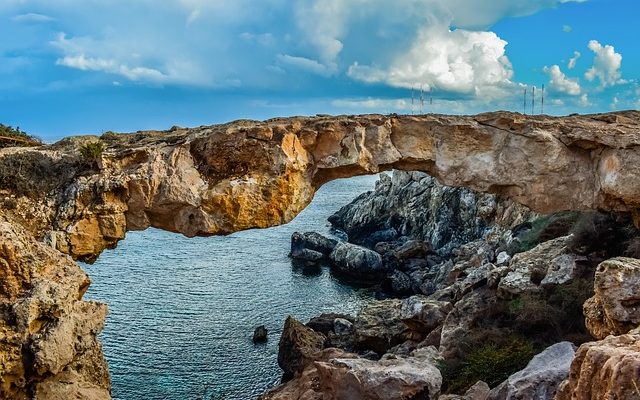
column 88, row 66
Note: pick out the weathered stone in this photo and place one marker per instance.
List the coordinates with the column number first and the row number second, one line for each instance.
column 541, row 378
column 357, row 263
column 298, row 346
column 479, row 391
column 260, row 334
column 547, row 264
column 379, row 326
column 311, row 246
column 608, row 369
column 422, row 314
column 342, row 326
column 615, row 307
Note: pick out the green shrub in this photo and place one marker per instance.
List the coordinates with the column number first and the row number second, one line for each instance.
column 10, row 136
column 489, row 362
column 542, row 229
column 92, row 152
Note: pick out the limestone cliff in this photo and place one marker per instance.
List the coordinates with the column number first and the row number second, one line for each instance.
column 224, row 178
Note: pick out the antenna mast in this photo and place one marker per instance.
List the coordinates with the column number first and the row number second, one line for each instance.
column 421, row 100
column 533, row 100
column 412, row 100
column 524, row 107
column 542, row 105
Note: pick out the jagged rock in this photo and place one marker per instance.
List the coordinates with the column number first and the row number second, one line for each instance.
column 399, row 284
column 311, row 246
column 298, row 346
column 342, row 326
column 358, row 263
column 340, row 375
column 325, row 322
column 607, row 369
column 260, row 334
column 615, row 307
column 413, row 204
column 423, row 315
column 413, row 249
column 503, row 258
column 388, row 379
column 549, row 263
column 477, row 306
column 479, row 391
column 379, row 326
column 541, row 378
column 225, row 178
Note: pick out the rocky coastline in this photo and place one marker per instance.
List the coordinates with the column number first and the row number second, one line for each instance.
column 480, row 298
column 73, row 199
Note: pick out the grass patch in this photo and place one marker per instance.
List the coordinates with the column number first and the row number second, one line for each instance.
column 488, row 362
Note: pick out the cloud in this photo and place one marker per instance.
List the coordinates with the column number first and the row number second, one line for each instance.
column 113, row 67
column 573, row 60
column 567, row 28
column 560, row 83
column 584, row 100
column 606, row 65
column 307, row 64
column 32, row 18
column 458, row 61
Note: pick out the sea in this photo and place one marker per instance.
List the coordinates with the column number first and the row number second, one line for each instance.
column 182, row 311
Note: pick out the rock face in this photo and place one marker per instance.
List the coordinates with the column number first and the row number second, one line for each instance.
column 608, row 369
column 615, row 307
column 339, row 375
column 541, row 378
column 221, row 179
column 48, row 345
column 297, row 347
column 357, row 262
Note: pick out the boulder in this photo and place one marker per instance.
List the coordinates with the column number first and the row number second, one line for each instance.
column 311, row 246
column 615, row 307
column 379, row 326
column 260, row 334
column 399, row 284
column 325, row 322
column 479, row 391
column 541, row 377
column 357, row 263
column 423, row 315
column 608, row 369
column 392, row 378
column 547, row 264
column 298, row 346
column 413, row 249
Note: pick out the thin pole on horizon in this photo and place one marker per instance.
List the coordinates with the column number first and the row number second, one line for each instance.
column 524, row 107
column 542, row 104
column 421, row 100
column 412, row 100
column 533, row 100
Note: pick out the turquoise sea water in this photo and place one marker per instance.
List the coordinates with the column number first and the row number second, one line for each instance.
column 182, row 311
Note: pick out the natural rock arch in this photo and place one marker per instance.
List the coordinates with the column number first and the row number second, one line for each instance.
column 225, row 178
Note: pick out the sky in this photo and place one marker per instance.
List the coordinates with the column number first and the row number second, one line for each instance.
column 72, row 67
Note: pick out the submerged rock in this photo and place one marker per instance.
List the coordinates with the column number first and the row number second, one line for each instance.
column 260, row 334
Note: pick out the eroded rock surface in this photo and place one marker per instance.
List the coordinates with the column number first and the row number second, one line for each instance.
column 221, row 179
column 615, row 307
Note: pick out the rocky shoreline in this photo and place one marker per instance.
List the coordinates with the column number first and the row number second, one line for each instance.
column 73, row 199
column 481, row 298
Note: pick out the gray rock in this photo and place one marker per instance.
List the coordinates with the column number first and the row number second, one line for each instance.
column 311, row 246
column 422, row 314
column 357, row 262
column 260, row 334
column 541, row 378
column 399, row 284
column 503, row 258
column 342, row 326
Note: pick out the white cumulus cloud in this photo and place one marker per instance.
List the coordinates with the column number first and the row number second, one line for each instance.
column 573, row 60
column 606, row 65
column 560, row 83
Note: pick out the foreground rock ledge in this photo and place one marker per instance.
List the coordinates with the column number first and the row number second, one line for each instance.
column 225, row 178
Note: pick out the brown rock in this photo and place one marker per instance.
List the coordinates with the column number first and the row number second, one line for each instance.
column 298, row 346
column 615, row 307
column 608, row 369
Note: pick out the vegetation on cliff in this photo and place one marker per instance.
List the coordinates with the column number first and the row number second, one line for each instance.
column 10, row 137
